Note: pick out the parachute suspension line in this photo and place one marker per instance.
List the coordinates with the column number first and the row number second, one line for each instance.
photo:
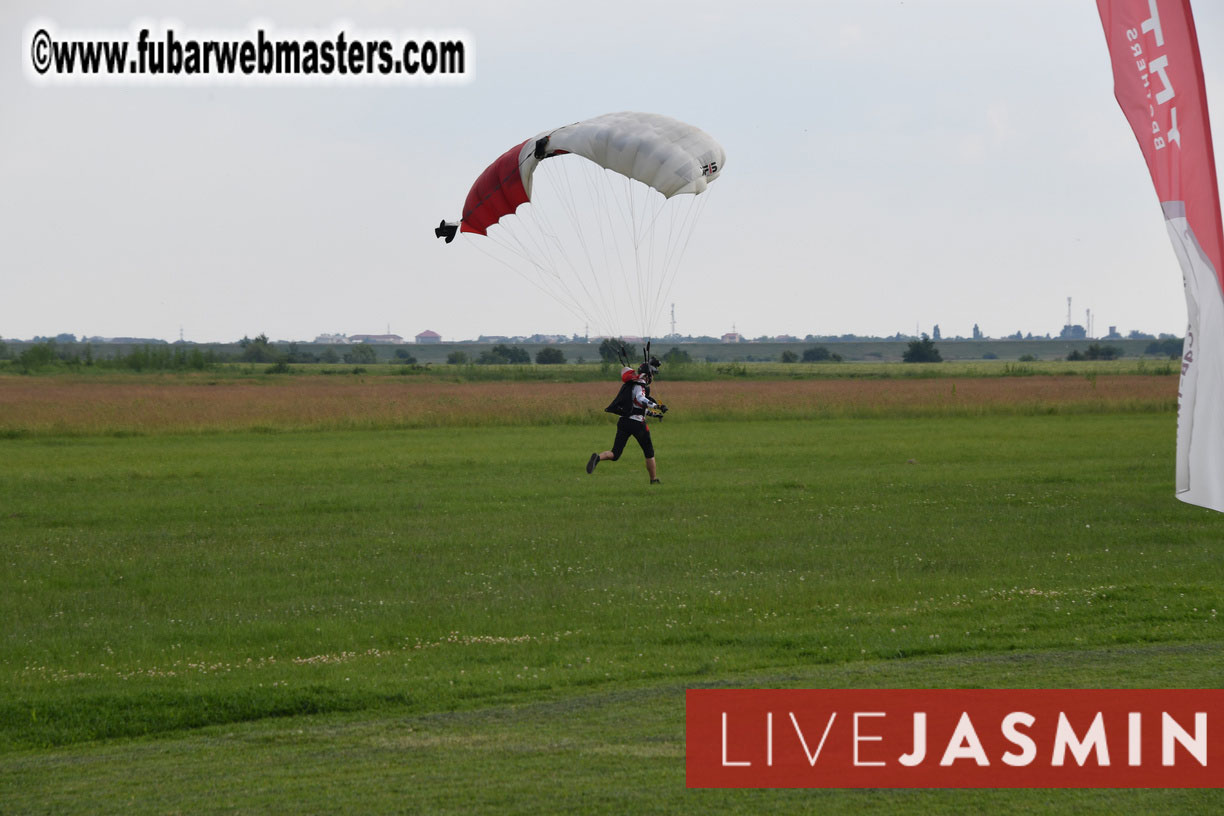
column 684, row 236
column 615, row 201
column 631, row 206
column 658, row 266
column 676, row 226
column 649, row 239
column 514, row 242
column 575, row 213
column 692, row 217
column 568, row 262
column 572, row 309
column 611, row 210
column 618, row 184
column 540, row 264
column 641, row 249
column 514, row 236
column 587, row 220
column 660, row 252
column 550, row 239
column 532, row 241
column 644, row 216
column 560, row 254
column 567, row 244
column 632, row 279
column 667, row 254
column 553, row 243
column 647, row 213
column 597, row 182
column 657, row 274
column 611, row 187
column 679, row 221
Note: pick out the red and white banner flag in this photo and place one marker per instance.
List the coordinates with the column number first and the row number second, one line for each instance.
column 1158, row 81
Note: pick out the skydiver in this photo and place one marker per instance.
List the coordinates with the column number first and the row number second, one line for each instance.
column 633, row 404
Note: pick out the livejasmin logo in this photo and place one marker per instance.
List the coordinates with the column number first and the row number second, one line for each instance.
column 954, row 738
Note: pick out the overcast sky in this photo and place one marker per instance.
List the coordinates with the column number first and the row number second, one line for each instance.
column 890, row 166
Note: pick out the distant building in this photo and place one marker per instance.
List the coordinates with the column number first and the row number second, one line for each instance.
column 732, row 337
column 429, row 336
column 1076, row 332
column 332, row 339
column 786, row 338
column 375, row 338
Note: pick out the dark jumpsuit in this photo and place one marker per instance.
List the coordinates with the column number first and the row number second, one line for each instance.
column 635, row 399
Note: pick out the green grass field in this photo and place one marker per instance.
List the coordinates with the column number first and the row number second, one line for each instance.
column 460, row 619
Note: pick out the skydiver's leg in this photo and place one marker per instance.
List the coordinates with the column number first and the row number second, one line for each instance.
column 624, row 429
column 643, row 438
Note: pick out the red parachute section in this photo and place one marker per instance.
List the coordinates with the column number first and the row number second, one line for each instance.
column 498, row 191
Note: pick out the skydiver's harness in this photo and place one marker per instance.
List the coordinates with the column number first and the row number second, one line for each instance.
column 624, row 404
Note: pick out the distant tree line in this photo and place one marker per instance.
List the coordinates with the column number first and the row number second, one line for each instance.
column 160, row 356
column 1096, row 352
column 1170, row 347
column 814, row 354
column 502, row 354
column 922, row 351
column 49, row 354
column 261, row 350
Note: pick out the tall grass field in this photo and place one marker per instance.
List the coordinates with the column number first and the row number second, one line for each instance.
column 246, row 597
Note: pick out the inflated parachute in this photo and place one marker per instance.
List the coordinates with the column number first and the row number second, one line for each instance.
column 597, row 213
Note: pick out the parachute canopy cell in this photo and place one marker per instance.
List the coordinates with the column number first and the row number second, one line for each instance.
column 663, row 153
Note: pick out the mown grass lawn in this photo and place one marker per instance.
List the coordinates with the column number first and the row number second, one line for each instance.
column 171, row 598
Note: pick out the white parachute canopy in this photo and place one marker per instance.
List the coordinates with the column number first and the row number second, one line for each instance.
column 665, row 154
column 598, row 214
